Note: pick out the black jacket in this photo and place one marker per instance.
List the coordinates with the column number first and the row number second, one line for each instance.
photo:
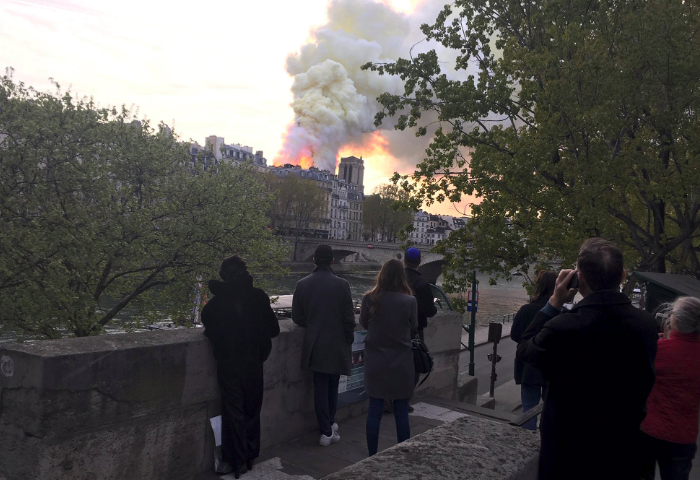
column 322, row 304
column 240, row 323
column 599, row 360
column 424, row 297
column 523, row 372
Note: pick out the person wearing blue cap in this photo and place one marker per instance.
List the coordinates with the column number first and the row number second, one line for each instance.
column 421, row 289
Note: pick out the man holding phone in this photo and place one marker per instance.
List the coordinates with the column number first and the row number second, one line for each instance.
column 599, row 360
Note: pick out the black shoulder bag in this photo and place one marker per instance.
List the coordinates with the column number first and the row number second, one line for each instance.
column 422, row 359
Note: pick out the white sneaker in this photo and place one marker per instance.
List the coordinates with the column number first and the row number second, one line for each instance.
column 334, row 427
column 325, row 440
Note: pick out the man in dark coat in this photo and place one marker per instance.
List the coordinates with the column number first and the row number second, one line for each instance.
column 599, row 360
column 421, row 289
column 322, row 304
column 239, row 323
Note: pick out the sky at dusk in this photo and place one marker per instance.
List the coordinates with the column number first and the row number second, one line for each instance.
column 206, row 67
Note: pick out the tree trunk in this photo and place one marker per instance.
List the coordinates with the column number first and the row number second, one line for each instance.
column 659, row 230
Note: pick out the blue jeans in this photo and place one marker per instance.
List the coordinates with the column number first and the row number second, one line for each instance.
column 325, row 400
column 374, row 418
column 530, row 396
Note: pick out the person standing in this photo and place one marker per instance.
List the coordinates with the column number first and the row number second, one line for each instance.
column 599, row 361
column 421, row 289
column 670, row 429
column 533, row 386
column 389, row 313
column 322, row 304
column 239, row 323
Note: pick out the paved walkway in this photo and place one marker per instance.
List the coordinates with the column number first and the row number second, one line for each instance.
column 303, row 459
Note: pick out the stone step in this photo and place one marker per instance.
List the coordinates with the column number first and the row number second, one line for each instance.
column 506, row 398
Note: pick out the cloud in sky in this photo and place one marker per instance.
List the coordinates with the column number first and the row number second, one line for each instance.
column 211, row 67
column 214, row 67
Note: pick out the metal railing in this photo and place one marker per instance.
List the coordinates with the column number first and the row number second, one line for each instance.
column 440, row 298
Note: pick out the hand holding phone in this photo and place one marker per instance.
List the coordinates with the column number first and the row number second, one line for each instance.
column 563, row 290
column 574, row 281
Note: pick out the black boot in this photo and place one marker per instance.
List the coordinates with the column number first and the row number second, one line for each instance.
column 249, row 463
column 237, row 471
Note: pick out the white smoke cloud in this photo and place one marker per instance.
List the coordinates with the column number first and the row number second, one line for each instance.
column 335, row 100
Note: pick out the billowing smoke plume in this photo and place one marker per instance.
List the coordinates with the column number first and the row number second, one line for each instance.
column 334, row 100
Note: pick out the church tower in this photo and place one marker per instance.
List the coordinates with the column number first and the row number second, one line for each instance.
column 352, row 170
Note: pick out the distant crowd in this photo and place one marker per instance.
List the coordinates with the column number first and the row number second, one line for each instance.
column 621, row 387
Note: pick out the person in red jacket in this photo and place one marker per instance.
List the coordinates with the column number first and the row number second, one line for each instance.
column 670, row 429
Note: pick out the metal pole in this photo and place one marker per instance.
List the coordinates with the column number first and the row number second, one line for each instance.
column 472, row 326
column 494, row 360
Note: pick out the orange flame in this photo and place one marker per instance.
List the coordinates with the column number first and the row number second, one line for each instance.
column 373, row 146
column 303, row 158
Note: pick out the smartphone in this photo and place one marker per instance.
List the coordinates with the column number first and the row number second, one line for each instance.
column 573, row 283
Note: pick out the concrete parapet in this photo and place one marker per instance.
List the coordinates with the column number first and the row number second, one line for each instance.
column 467, row 387
column 442, row 337
column 138, row 405
column 468, row 448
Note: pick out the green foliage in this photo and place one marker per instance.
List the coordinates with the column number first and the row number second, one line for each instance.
column 100, row 212
column 385, row 213
column 573, row 119
column 297, row 205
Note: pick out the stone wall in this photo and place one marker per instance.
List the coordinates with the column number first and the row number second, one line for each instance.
column 468, row 448
column 138, row 405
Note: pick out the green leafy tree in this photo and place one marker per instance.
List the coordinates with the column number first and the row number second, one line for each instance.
column 571, row 119
column 308, row 204
column 99, row 212
column 385, row 213
column 371, row 216
column 298, row 205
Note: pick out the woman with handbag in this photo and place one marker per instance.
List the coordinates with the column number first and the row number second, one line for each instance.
column 389, row 313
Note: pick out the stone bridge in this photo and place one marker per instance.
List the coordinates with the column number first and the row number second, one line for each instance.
column 349, row 251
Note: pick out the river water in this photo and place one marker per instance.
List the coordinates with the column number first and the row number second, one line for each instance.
column 494, row 300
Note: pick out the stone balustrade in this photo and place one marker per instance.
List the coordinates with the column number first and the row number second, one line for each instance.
column 137, row 406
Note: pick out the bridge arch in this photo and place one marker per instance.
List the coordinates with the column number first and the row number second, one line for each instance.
column 364, row 251
column 341, row 254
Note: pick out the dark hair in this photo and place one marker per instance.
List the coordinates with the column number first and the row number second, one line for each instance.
column 323, row 255
column 391, row 278
column 600, row 262
column 233, row 268
column 544, row 285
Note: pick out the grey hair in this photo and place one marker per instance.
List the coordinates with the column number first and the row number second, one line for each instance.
column 686, row 311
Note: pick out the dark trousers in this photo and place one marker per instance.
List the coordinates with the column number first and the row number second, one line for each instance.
column 421, row 335
column 241, row 400
column 325, row 400
column 530, row 396
column 675, row 459
column 374, row 419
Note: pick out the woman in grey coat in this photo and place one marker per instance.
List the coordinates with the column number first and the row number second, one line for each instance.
column 390, row 315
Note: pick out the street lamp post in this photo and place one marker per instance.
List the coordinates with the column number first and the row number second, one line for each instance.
column 472, row 325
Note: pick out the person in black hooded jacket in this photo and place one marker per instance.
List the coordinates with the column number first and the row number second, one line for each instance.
column 240, row 324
